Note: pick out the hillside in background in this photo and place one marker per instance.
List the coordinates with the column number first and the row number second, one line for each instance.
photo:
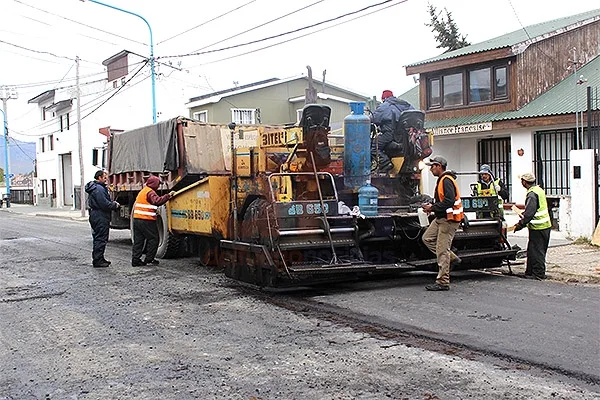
column 22, row 155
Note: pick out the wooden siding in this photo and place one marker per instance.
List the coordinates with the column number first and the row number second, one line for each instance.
column 461, row 61
column 544, row 64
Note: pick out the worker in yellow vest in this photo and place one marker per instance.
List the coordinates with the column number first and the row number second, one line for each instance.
column 537, row 220
column 145, row 231
column 448, row 211
column 488, row 186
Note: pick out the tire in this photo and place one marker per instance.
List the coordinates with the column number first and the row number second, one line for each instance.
column 169, row 244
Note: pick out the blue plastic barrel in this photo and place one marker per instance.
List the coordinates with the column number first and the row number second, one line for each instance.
column 357, row 147
column 367, row 200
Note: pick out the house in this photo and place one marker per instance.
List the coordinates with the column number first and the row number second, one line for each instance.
column 117, row 100
column 272, row 101
column 518, row 103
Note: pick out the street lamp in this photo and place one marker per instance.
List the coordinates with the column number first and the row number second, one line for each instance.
column 153, row 78
column 6, row 173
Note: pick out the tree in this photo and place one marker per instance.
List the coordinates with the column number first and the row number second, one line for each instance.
column 445, row 30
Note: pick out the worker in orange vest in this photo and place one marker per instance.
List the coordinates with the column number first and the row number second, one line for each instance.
column 145, row 230
column 448, row 212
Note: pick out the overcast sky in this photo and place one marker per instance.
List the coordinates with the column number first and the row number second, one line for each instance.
column 366, row 54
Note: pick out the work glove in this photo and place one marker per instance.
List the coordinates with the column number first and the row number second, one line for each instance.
column 171, row 193
column 518, row 227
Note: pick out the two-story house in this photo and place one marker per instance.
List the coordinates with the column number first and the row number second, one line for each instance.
column 272, row 101
column 512, row 101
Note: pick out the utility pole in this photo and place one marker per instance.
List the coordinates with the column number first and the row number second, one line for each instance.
column 6, row 94
column 81, row 169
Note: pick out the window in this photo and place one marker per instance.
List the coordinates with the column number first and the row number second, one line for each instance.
column 43, row 113
column 243, row 115
column 44, row 188
column 480, row 88
column 51, row 142
column 42, row 145
column 63, row 121
column 434, row 93
column 298, row 115
column 453, row 90
column 201, row 116
column 485, row 84
column 500, row 88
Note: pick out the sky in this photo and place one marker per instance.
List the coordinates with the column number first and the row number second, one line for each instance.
column 365, row 52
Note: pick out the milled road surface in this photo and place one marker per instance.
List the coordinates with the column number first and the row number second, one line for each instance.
column 178, row 331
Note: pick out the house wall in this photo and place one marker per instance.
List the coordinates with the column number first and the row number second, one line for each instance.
column 544, row 64
column 273, row 102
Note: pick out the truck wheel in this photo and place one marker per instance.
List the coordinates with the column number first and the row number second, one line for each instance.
column 169, row 244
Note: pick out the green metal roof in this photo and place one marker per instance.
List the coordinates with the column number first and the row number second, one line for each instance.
column 412, row 96
column 543, row 29
column 556, row 101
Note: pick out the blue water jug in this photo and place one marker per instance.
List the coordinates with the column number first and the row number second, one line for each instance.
column 367, row 200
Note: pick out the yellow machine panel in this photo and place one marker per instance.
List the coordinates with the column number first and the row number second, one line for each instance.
column 201, row 208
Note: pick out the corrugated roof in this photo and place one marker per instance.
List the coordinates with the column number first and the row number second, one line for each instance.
column 520, row 37
column 556, row 101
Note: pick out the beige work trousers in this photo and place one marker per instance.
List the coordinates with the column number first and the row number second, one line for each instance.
column 438, row 238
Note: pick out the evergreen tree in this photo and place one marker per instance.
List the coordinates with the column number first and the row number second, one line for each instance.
column 445, row 30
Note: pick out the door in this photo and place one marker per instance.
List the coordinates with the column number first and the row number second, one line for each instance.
column 67, row 179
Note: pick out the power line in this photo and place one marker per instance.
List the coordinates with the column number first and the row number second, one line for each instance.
column 298, row 37
column 206, row 22
column 261, row 25
column 41, row 51
column 80, row 23
column 282, row 34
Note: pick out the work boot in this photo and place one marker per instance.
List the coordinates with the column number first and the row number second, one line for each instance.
column 153, row 262
column 137, row 263
column 106, row 261
column 101, row 264
column 436, row 287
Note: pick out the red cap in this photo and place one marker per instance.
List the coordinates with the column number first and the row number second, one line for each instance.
column 386, row 94
column 153, row 182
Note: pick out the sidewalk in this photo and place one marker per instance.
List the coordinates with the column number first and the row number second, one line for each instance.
column 45, row 211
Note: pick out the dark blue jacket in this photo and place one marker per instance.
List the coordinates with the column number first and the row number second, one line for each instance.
column 387, row 114
column 98, row 198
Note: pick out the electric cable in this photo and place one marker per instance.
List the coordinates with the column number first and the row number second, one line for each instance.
column 206, row 22
column 42, row 52
column 261, row 25
column 298, row 37
column 80, row 23
column 285, row 33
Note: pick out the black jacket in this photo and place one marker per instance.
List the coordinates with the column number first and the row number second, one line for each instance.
column 387, row 114
column 98, row 198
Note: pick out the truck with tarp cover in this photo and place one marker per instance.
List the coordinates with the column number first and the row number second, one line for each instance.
column 269, row 203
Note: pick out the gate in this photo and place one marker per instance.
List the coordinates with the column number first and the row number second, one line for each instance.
column 551, row 157
column 591, row 136
column 496, row 154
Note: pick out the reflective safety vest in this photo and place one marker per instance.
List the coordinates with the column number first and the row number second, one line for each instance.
column 142, row 209
column 491, row 191
column 541, row 219
column 454, row 213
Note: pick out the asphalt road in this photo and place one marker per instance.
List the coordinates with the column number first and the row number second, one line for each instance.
column 180, row 331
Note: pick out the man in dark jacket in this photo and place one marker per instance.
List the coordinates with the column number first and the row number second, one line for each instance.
column 100, row 206
column 389, row 142
column 448, row 212
column 145, row 230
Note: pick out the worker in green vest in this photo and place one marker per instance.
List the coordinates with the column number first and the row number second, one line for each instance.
column 488, row 186
column 537, row 220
